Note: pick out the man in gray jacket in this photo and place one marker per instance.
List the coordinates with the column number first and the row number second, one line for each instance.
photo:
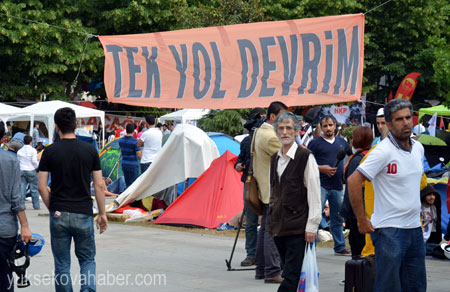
column 11, row 208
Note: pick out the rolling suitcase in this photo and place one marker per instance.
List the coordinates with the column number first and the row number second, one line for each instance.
column 359, row 274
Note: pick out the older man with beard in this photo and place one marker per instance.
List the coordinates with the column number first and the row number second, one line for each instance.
column 295, row 207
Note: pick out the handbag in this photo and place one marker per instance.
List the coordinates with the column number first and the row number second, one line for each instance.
column 309, row 277
column 251, row 190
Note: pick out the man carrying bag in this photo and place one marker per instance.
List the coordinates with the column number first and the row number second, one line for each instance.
column 295, row 206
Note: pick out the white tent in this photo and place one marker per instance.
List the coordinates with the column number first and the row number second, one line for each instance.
column 9, row 113
column 187, row 153
column 44, row 111
column 185, row 116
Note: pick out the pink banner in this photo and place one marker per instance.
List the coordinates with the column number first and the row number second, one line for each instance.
column 299, row 62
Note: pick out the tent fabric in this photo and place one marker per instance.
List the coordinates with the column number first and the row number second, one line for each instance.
column 430, row 140
column 187, row 153
column 184, row 115
column 8, row 112
column 110, row 160
column 224, row 143
column 215, row 197
column 442, row 190
column 441, row 110
column 44, row 111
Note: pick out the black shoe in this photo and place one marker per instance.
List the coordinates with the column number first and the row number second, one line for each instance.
column 259, row 277
column 343, row 253
column 248, row 261
column 274, row 280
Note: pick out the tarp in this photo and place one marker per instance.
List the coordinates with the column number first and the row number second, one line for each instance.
column 187, row 153
column 184, row 116
column 110, row 160
column 299, row 62
column 441, row 110
column 442, row 190
column 224, row 143
column 44, row 111
column 8, row 112
column 215, row 197
column 430, row 140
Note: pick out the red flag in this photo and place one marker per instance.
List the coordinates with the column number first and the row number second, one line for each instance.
column 441, row 124
column 407, row 87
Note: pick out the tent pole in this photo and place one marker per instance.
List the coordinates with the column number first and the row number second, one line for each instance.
column 228, row 262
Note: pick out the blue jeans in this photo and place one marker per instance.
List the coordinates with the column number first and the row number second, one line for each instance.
column 29, row 177
column 251, row 231
column 335, row 198
column 400, row 259
column 118, row 186
column 131, row 173
column 63, row 228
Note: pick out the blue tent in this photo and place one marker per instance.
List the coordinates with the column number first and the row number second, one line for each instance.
column 224, row 143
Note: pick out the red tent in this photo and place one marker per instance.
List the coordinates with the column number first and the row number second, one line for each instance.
column 215, row 197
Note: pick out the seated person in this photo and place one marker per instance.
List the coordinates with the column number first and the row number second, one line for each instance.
column 112, row 188
column 431, row 218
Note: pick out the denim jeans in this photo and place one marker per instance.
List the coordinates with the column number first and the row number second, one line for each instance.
column 251, row 231
column 131, row 173
column 29, row 177
column 400, row 259
column 63, row 228
column 118, row 186
column 335, row 198
column 6, row 275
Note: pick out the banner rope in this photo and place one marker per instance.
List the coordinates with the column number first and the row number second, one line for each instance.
column 377, row 6
column 86, row 40
column 44, row 23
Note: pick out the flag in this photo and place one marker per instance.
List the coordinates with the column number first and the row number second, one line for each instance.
column 407, row 87
column 432, row 125
column 441, row 124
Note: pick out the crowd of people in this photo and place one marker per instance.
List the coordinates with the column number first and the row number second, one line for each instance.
column 396, row 219
column 375, row 188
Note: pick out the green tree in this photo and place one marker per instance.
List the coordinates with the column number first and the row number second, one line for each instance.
column 37, row 58
column 401, row 37
column 224, row 121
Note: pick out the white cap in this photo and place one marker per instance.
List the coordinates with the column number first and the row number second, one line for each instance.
column 380, row 112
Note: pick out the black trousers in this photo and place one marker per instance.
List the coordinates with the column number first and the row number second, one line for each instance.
column 292, row 251
column 357, row 240
column 6, row 276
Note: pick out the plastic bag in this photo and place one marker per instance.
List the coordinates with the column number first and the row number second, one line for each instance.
column 309, row 277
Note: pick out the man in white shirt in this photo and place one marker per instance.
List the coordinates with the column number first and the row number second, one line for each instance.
column 152, row 141
column 395, row 167
column 28, row 163
column 419, row 128
column 295, row 200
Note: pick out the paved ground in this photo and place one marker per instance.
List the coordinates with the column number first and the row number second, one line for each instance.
column 133, row 258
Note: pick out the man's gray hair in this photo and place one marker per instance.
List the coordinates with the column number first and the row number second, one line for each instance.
column 285, row 118
column 395, row 105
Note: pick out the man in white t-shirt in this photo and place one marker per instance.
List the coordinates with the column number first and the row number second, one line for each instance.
column 395, row 167
column 152, row 141
column 28, row 163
